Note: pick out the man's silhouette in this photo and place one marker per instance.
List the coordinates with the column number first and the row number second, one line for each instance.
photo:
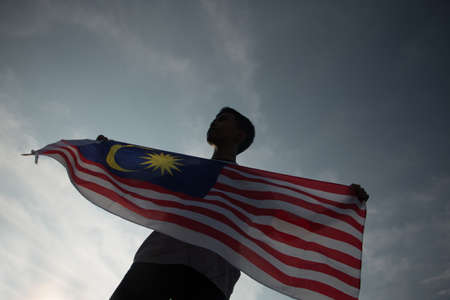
column 165, row 267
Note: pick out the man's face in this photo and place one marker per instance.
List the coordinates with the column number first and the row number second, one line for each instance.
column 223, row 130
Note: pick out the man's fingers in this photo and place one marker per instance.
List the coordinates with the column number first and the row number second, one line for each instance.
column 102, row 138
column 362, row 195
column 360, row 192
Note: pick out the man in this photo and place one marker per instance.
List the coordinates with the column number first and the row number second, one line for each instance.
column 165, row 267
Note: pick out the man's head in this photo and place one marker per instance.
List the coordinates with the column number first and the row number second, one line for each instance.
column 231, row 128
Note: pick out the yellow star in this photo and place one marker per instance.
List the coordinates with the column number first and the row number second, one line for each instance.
column 161, row 161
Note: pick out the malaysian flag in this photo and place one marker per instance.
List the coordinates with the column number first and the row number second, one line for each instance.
column 299, row 236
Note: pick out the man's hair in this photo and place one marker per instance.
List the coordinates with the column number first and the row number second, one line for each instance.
column 243, row 124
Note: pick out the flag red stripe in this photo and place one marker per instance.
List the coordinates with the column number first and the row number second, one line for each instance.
column 234, row 175
column 309, row 183
column 249, row 254
column 270, row 231
column 310, row 226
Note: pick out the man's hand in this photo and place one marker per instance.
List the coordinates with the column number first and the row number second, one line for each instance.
column 359, row 191
column 102, row 138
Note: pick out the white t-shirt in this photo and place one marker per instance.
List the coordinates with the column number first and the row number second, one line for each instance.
column 163, row 249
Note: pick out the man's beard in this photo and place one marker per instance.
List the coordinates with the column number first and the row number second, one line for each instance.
column 212, row 138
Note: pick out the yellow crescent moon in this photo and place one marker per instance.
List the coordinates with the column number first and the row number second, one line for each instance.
column 110, row 158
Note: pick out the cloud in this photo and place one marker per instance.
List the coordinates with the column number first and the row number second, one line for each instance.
column 108, row 23
column 10, row 87
column 104, row 21
column 445, row 292
column 405, row 243
column 50, row 232
column 329, row 175
column 56, row 108
column 443, row 276
column 247, row 288
column 24, row 20
column 236, row 47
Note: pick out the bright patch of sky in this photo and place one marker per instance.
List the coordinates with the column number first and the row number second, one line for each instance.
column 338, row 92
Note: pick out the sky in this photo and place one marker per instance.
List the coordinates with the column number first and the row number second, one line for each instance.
column 341, row 91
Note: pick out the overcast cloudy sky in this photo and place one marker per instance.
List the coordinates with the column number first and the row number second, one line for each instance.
column 343, row 91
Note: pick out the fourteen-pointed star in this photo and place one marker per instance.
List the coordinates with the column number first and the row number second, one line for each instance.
column 163, row 162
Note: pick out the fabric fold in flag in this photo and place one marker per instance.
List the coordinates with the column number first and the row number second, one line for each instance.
column 298, row 236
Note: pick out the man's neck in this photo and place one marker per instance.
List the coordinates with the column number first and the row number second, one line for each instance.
column 224, row 154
